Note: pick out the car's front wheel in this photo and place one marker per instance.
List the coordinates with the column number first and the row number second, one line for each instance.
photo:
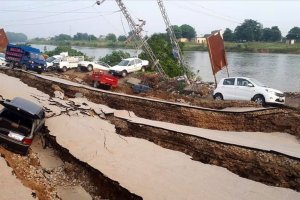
column 143, row 69
column 124, row 73
column 259, row 99
column 90, row 68
column 64, row 69
column 218, row 97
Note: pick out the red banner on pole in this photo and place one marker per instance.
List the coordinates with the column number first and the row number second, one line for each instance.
column 216, row 51
column 3, row 40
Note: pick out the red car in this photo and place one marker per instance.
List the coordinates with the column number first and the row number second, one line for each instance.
column 104, row 78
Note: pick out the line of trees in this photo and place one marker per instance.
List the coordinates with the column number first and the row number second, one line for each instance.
column 16, row 37
column 86, row 37
column 184, row 31
column 251, row 30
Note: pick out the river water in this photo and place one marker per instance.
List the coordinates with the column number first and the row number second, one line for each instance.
column 280, row 71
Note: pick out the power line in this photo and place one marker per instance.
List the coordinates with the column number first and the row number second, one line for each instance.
column 206, row 13
column 62, row 21
column 46, row 16
column 56, row 12
column 213, row 11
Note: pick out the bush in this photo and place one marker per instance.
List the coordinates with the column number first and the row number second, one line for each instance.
column 162, row 48
column 71, row 52
column 115, row 57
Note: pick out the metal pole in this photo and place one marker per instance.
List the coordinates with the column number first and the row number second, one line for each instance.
column 227, row 71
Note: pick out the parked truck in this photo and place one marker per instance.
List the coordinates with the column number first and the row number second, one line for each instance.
column 26, row 57
column 66, row 62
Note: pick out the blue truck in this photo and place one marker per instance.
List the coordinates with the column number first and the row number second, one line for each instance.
column 26, row 57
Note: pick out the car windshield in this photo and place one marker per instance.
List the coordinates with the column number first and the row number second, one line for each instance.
column 124, row 63
column 50, row 59
column 256, row 82
column 11, row 120
column 103, row 64
column 2, row 55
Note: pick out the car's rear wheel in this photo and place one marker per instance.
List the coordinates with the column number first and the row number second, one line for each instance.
column 11, row 64
column 64, row 69
column 124, row 73
column 218, row 97
column 24, row 67
column 143, row 69
column 96, row 84
column 259, row 99
column 90, row 68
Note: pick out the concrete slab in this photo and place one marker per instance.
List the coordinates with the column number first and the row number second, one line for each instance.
column 242, row 109
column 48, row 159
column 279, row 142
column 11, row 188
column 151, row 171
column 147, row 169
column 133, row 81
column 73, row 193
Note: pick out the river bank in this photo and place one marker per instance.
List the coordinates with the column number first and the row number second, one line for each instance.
column 248, row 47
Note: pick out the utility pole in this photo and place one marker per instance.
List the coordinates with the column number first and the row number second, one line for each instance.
column 176, row 49
column 137, row 30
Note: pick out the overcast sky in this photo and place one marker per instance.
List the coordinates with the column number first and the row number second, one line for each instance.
column 44, row 18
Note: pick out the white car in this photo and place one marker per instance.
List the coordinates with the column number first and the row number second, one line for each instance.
column 242, row 88
column 53, row 59
column 89, row 65
column 129, row 65
column 2, row 59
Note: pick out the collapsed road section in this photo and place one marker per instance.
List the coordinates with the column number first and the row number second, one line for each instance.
column 152, row 172
column 266, row 120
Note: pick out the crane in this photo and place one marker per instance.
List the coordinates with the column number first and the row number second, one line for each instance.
column 176, row 49
column 137, row 30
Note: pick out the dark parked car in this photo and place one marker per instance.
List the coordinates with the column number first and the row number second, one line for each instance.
column 20, row 121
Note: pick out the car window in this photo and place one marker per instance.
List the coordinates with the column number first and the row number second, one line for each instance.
column 242, row 82
column 131, row 62
column 14, row 117
column 138, row 61
column 228, row 81
column 123, row 63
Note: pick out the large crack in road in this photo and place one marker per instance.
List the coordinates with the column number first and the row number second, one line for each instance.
column 60, row 106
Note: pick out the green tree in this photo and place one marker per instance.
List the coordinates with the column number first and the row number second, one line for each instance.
column 276, row 36
column 266, row 35
column 160, row 44
column 177, row 31
column 81, row 36
column 188, row 31
column 271, row 34
column 115, row 57
column 249, row 30
column 111, row 37
column 294, row 33
column 61, row 37
column 228, row 35
column 16, row 37
column 122, row 38
column 71, row 52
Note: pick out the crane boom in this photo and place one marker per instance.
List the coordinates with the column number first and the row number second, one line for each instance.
column 176, row 49
column 137, row 30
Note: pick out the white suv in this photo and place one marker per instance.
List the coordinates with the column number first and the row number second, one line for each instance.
column 129, row 65
column 242, row 88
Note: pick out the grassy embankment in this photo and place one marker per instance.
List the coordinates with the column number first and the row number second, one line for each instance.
column 95, row 44
column 252, row 47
